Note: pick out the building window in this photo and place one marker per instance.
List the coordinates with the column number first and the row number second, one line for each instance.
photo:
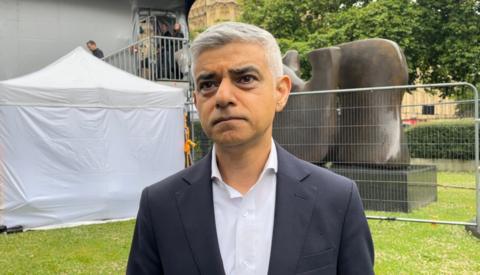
column 428, row 109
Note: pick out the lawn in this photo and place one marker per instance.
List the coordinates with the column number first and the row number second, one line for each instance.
column 405, row 248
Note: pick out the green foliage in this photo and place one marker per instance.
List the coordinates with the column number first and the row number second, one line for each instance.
column 381, row 19
column 303, row 49
column 195, row 33
column 440, row 38
column 442, row 140
column 292, row 19
column 454, row 35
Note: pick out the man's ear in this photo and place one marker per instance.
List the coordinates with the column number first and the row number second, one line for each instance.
column 195, row 99
column 282, row 91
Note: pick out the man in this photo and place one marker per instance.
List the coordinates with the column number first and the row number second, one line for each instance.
column 249, row 207
column 92, row 46
column 164, row 51
column 164, row 30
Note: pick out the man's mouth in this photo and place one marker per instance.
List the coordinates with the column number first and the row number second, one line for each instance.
column 224, row 119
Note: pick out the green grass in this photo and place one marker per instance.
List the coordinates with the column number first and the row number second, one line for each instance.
column 412, row 248
column 400, row 247
column 92, row 249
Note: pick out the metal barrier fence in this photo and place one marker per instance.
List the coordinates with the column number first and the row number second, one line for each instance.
column 417, row 161
column 156, row 58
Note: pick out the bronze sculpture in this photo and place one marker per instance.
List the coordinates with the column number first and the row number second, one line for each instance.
column 354, row 127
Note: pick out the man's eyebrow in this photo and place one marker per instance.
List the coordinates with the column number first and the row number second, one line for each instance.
column 244, row 70
column 207, row 75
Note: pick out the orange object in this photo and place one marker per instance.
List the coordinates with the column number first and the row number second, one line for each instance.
column 188, row 145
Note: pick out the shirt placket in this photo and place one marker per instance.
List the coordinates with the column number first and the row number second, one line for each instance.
column 247, row 238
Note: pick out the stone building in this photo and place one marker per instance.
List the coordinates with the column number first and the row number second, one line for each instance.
column 205, row 13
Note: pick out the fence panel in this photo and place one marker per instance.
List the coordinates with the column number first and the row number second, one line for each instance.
column 155, row 58
column 413, row 154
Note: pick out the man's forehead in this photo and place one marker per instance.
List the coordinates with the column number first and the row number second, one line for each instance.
column 235, row 56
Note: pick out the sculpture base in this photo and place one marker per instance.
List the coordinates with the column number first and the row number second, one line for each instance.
column 393, row 188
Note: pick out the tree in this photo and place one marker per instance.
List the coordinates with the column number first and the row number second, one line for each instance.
column 440, row 38
column 289, row 19
column 381, row 19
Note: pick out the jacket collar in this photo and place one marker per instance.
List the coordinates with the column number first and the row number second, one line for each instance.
column 287, row 164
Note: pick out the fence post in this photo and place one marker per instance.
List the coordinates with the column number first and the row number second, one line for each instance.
column 477, row 161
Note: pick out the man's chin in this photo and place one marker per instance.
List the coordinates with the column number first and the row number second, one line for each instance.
column 230, row 140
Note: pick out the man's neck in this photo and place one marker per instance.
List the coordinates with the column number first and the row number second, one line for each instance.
column 241, row 167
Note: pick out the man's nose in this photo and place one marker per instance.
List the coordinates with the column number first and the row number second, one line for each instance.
column 225, row 94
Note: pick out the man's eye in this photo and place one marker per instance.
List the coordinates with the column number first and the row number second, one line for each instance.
column 247, row 79
column 207, row 87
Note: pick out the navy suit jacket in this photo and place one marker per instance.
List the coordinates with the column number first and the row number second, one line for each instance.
column 319, row 224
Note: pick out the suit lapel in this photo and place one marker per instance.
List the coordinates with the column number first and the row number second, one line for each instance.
column 293, row 210
column 195, row 204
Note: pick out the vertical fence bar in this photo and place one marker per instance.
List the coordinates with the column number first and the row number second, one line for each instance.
column 191, row 114
column 477, row 153
column 131, row 54
column 124, row 57
column 170, row 44
column 150, row 59
column 120, row 57
column 157, row 59
column 164, row 58
column 176, row 73
column 140, row 60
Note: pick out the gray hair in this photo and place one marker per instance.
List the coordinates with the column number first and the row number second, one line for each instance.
column 228, row 32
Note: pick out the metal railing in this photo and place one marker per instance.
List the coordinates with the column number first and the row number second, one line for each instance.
column 353, row 131
column 155, row 58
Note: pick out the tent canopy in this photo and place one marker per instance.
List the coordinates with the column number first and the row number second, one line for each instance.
column 82, row 80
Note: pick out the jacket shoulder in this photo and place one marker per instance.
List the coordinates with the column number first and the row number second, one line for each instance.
column 326, row 176
column 333, row 188
column 322, row 179
column 170, row 184
column 182, row 179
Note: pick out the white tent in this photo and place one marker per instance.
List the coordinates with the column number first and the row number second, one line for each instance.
column 80, row 139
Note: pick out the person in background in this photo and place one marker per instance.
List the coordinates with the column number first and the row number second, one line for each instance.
column 177, row 31
column 178, row 45
column 164, row 52
column 92, row 46
column 164, row 30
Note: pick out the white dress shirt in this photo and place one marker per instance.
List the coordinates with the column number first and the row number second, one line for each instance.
column 245, row 223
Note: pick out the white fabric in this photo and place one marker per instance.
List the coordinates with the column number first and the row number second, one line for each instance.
column 245, row 223
column 70, row 163
column 82, row 80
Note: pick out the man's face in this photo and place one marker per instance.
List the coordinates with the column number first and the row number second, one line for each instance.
column 163, row 28
column 91, row 47
column 236, row 94
column 176, row 27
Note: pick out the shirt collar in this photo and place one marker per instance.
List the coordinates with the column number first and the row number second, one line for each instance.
column 271, row 164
